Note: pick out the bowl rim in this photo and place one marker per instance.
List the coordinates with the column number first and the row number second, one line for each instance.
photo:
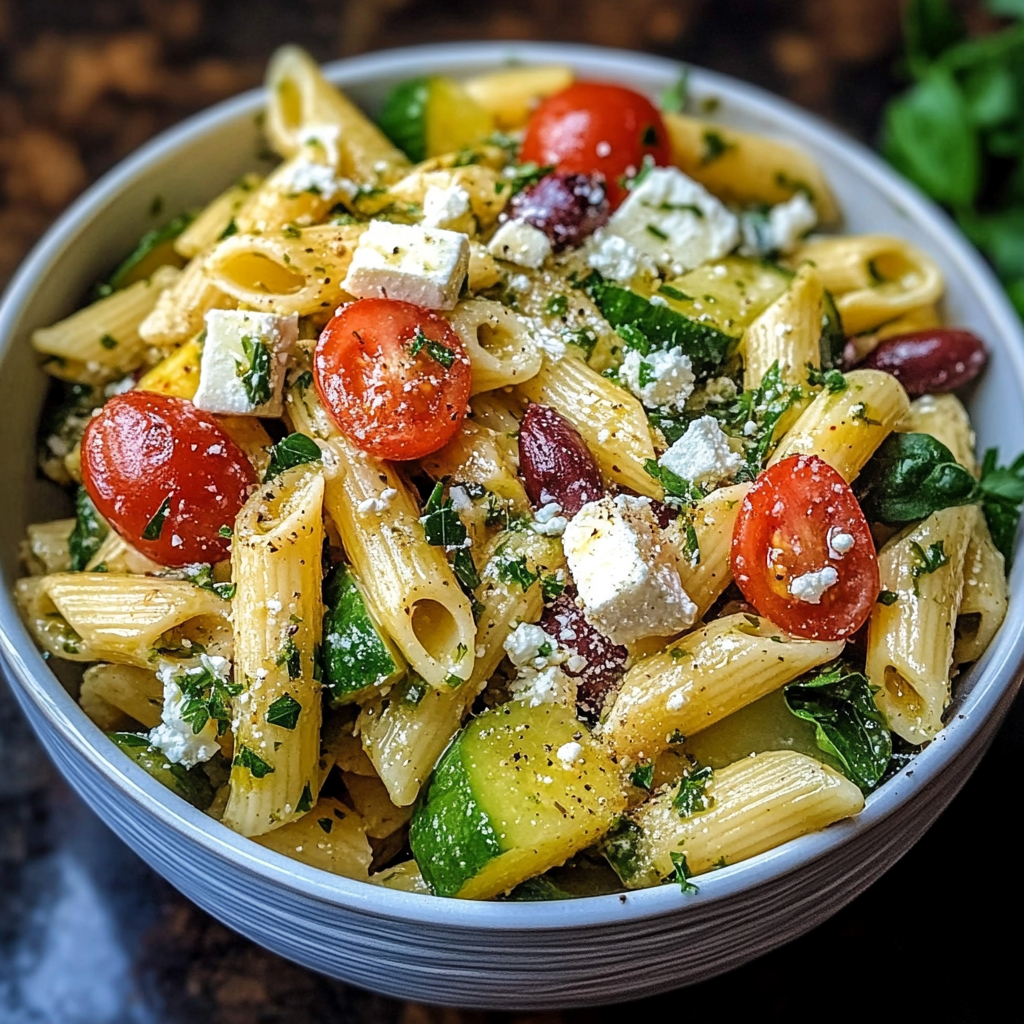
column 995, row 675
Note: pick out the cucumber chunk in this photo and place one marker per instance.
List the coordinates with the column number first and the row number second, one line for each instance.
column 191, row 784
column 357, row 656
column 503, row 807
column 433, row 116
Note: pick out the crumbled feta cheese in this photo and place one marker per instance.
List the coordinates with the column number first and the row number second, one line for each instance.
column 545, row 686
column 446, row 207
column 617, row 259
column 780, row 230
column 569, row 753
column 229, row 375
column 174, row 736
column 661, row 380
column 626, row 577
column 809, row 587
column 547, row 521
column 840, row 543
column 426, row 266
column 305, row 175
column 702, row 455
column 461, row 500
column 527, row 643
column 326, row 137
column 520, row 243
column 379, row 504
column 675, row 221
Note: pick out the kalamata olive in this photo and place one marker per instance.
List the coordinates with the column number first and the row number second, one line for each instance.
column 925, row 362
column 568, row 208
column 556, row 464
column 605, row 661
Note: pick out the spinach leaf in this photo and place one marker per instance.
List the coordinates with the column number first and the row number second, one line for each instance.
column 930, row 26
column 911, row 476
column 848, row 725
column 1002, row 490
column 293, row 450
column 89, row 531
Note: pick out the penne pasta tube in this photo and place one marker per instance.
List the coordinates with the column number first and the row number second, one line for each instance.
column 985, row 598
column 216, row 220
column 133, row 691
column 609, row 418
column 277, row 618
column 179, row 311
column 46, row 548
column 946, row 419
column 873, row 278
column 500, row 350
column 752, row 806
column 747, row 168
column 910, row 641
column 104, row 341
column 510, row 95
column 844, row 428
column 704, row 677
column 918, row 319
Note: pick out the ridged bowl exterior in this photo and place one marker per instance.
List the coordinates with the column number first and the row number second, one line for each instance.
column 490, row 955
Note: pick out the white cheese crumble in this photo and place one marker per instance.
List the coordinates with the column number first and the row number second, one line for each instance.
column 809, row 587
column 426, row 266
column 547, row 521
column 546, row 686
column 528, row 644
column 379, row 504
column 702, row 455
column 661, row 380
column 840, row 544
column 675, row 221
column 307, row 175
column 174, row 736
column 222, row 387
column 520, row 243
column 569, row 753
column 446, row 207
column 626, row 577
column 780, row 230
column 617, row 259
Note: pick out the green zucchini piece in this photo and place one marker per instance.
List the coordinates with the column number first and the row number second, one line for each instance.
column 404, row 117
column 191, row 784
column 503, row 807
column 154, row 249
column 357, row 656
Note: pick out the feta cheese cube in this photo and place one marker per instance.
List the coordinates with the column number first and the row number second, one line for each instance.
column 661, row 380
column 626, row 577
column 675, row 221
column 412, row 263
column 245, row 354
column 780, row 230
column 703, row 454
column 447, row 208
column 811, row 585
column 174, row 736
column 520, row 243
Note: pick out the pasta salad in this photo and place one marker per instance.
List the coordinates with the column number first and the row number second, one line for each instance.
column 520, row 496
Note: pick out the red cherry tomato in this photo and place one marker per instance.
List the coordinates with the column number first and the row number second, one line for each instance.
column 165, row 476
column 800, row 517
column 394, row 377
column 595, row 128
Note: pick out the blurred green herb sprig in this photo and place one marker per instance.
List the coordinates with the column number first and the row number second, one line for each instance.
column 958, row 130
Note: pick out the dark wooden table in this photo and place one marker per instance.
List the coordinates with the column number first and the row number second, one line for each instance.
column 88, row 935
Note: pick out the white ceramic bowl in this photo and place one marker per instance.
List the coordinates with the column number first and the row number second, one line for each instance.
column 500, row 955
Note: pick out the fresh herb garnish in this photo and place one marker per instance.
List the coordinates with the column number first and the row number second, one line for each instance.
column 326, row 824
column 247, row 758
column 304, row 381
column 675, row 486
column 927, row 562
column 516, row 177
column 441, row 354
column 305, row 801
column 284, row 712
column 551, row 585
column 156, row 525
column 515, row 570
column 714, row 147
column 653, row 229
column 293, row 450
column 888, row 597
column 207, row 695
column 832, row 380
column 643, row 776
column 108, row 341
column 681, row 872
column 291, row 657
column 673, row 97
column 88, row 533
column 674, row 293
column 557, row 305
column 254, row 371
column 848, row 725
column 441, row 523
column 692, row 795
column 201, row 574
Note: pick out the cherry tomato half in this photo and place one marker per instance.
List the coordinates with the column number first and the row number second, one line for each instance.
column 393, row 376
column 802, row 552
column 166, row 476
column 596, row 128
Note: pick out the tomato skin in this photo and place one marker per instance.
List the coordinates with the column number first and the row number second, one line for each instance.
column 597, row 128
column 143, row 448
column 388, row 400
column 785, row 528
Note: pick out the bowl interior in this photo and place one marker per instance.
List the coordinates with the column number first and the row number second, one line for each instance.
column 190, row 164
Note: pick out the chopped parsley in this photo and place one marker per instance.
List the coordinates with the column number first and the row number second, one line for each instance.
column 653, row 229
column 201, row 574
column 673, row 97
column 305, row 801
column 643, row 776
column 675, row 486
column 520, row 176
column 681, row 872
column 254, row 371
column 692, row 795
column 231, row 228
column 551, row 585
column 108, row 341
column 156, row 525
column 304, row 381
column 927, row 562
column 888, row 597
column 291, row 231
column 291, row 657
column 714, row 147
column 247, row 758
column 557, row 305
column 88, row 533
column 515, row 570
column 293, row 450
column 672, row 293
column 226, row 532
column 441, row 354
column 207, row 695
column 833, row 380
column 284, row 712
column 441, row 523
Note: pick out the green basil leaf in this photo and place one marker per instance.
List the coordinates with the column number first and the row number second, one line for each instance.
column 930, row 27
column 293, row 450
column 911, row 476
column 89, row 531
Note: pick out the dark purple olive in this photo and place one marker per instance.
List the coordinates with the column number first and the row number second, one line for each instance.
column 568, row 208
column 925, row 362
column 555, row 462
column 605, row 661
